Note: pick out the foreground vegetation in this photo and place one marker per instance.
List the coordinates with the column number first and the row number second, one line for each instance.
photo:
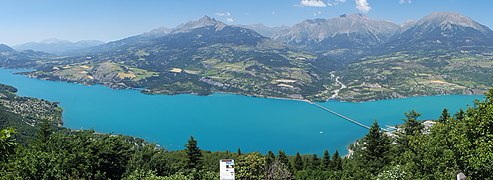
column 459, row 143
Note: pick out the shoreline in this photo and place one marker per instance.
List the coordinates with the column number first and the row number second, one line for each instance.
column 142, row 90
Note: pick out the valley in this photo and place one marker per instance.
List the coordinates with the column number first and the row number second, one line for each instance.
column 451, row 54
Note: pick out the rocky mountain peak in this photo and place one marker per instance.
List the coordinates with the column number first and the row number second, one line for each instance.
column 202, row 22
column 445, row 20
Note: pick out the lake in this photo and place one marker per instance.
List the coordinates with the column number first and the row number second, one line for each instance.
column 225, row 121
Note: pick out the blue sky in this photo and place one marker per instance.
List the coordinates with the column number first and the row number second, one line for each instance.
column 34, row 20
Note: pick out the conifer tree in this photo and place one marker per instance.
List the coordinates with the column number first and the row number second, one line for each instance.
column 444, row 117
column 336, row 164
column 271, row 157
column 411, row 124
column 45, row 131
column 298, row 162
column 376, row 149
column 283, row 158
column 315, row 162
column 326, row 160
column 460, row 115
column 194, row 155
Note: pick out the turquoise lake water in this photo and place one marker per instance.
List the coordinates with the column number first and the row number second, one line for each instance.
column 225, row 121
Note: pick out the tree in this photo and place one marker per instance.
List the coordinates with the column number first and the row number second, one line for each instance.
column 278, row 171
column 444, row 117
column 271, row 157
column 411, row 124
column 460, row 115
column 251, row 166
column 45, row 130
column 336, row 164
column 326, row 160
column 149, row 158
column 376, row 149
column 283, row 158
column 298, row 162
column 194, row 155
column 472, row 137
column 7, row 144
column 239, row 152
column 315, row 162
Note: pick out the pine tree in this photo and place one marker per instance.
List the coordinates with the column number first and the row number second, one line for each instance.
column 336, row 164
column 326, row 160
column 45, row 131
column 194, row 155
column 298, row 162
column 460, row 115
column 376, row 149
column 444, row 117
column 271, row 157
column 411, row 124
column 239, row 152
column 283, row 158
column 315, row 162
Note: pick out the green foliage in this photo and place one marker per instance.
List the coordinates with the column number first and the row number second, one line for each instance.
column 376, row 149
column 394, row 173
column 336, row 164
column 194, row 155
column 326, row 160
column 7, row 144
column 44, row 132
column 250, row 166
column 149, row 158
column 411, row 124
column 315, row 162
column 444, row 117
column 315, row 175
column 298, row 162
column 270, row 158
column 281, row 157
column 460, row 115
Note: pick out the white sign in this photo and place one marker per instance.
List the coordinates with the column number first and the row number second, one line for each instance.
column 227, row 169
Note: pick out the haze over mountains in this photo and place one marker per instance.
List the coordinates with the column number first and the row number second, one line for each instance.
column 207, row 55
column 354, row 31
column 57, row 46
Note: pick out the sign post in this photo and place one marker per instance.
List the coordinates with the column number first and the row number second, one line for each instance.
column 227, row 169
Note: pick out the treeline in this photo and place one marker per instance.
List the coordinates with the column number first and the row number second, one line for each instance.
column 462, row 143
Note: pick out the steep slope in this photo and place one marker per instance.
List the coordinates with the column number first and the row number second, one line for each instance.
column 202, row 56
column 265, row 30
column 12, row 58
column 443, row 31
column 354, row 31
column 443, row 53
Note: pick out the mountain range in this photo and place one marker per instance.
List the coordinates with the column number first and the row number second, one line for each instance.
column 57, row 46
column 302, row 61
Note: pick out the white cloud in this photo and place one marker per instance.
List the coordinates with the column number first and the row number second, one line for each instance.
column 335, row 2
column 230, row 19
column 363, row 6
column 313, row 3
column 317, row 13
column 405, row 1
column 223, row 14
